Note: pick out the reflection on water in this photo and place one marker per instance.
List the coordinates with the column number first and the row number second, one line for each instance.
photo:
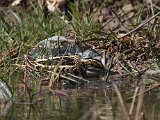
column 4, row 107
column 74, row 105
column 152, row 107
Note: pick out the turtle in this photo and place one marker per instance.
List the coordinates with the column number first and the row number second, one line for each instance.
column 85, row 61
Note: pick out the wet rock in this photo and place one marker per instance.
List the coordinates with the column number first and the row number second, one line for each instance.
column 5, row 94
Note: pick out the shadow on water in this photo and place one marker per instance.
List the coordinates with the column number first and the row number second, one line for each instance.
column 52, row 107
column 76, row 104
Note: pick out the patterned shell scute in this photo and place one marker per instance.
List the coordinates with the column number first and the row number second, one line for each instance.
column 54, row 46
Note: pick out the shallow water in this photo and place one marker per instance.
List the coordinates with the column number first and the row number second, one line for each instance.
column 76, row 104
column 68, row 106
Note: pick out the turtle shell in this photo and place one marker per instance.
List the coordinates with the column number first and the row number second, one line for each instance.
column 55, row 46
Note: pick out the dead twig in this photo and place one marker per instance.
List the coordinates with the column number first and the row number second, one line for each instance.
column 142, row 24
column 133, row 100
column 140, row 100
column 122, row 102
column 155, row 86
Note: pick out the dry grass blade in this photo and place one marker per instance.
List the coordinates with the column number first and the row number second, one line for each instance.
column 133, row 100
column 154, row 86
column 54, row 75
column 126, row 113
column 140, row 100
column 130, row 73
column 119, row 19
column 150, row 6
column 142, row 24
column 80, row 78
